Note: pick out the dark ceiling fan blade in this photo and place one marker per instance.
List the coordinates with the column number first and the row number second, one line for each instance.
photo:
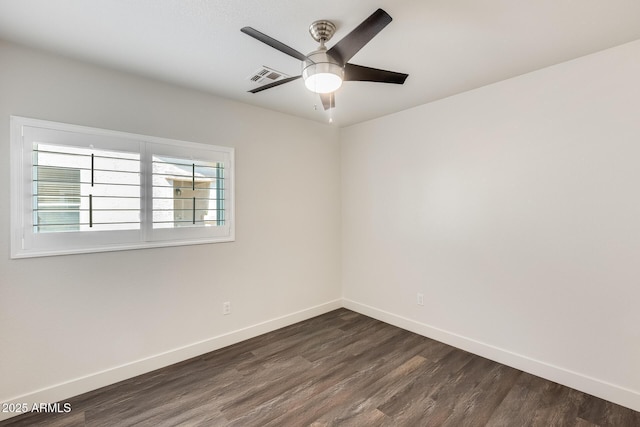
column 328, row 100
column 274, row 84
column 353, row 72
column 273, row 43
column 344, row 50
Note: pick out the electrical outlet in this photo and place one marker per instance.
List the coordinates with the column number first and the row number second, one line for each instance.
column 226, row 308
column 420, row 299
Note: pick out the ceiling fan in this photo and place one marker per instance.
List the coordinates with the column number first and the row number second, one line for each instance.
column 324, row 70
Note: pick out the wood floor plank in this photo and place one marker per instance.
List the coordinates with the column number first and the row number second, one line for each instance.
column 521, row 402
column 340, row 368
column 266, row 386
column 365, row 402
column 557, row 406
column 475, row 405
column 447, row 398
column 603, row 413
column 424, row 387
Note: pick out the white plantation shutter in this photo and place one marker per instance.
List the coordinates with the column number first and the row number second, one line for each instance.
column 85, row 189
column 77, row 189
column 190, row 194
column 187, row 193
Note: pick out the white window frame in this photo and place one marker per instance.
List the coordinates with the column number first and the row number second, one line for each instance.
column 26, row 243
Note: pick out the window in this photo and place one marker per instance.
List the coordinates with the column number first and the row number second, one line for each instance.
column 76, row 189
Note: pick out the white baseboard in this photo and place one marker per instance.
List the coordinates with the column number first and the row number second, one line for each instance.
column 66, row 390
column 611, row 392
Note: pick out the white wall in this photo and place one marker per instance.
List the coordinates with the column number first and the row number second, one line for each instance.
column 64, row 320
column 515, row 209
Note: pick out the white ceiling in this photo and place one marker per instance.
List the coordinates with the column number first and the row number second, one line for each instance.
column 446, row 46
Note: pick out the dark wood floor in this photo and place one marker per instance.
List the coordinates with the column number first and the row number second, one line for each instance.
column 338, row 369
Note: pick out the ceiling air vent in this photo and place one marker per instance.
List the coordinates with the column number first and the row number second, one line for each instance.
column 267, row 75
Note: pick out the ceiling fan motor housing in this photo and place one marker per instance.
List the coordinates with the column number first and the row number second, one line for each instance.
column 322, row 73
